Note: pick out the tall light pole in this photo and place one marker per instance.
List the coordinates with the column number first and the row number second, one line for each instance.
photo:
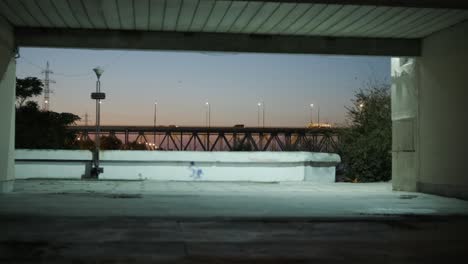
column 262, row 105
column 208, row 114
column 263, row 114
column 311, row 114
column 258, row 113
column 318, row 116
column 155, row 121
column 98, row 96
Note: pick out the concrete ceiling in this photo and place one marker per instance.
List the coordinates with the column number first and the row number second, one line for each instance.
column 245, row 17
column 375, row 19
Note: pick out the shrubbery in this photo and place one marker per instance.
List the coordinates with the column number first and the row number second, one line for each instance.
column 365, row 147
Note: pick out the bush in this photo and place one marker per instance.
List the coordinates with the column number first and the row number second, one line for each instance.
column 365, row 147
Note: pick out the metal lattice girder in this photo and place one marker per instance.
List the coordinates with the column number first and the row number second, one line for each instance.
column 228, row 138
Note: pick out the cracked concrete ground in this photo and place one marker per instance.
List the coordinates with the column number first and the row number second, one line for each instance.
column 199, row 222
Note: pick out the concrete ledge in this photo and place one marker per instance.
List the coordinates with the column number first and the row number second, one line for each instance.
column 180, row 166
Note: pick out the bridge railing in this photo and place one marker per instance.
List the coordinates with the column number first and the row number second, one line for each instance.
column 221, row 138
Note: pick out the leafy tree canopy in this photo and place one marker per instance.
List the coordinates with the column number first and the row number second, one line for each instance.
column 366, row 146
column 40, row 129
column 27, row 88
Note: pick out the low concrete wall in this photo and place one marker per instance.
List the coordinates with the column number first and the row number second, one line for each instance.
column 180, row 166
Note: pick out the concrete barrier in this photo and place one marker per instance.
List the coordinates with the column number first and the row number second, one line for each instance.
column 179, row 166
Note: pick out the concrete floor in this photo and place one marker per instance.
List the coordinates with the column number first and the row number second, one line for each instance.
column 202, row 222
column 220, row 199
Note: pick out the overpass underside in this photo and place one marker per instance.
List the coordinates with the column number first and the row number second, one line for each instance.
column 428, row 40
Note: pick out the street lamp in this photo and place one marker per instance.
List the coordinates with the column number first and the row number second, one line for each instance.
column 311, row 114
column 208, row 114
column 155, row 120
column 261, row 104
column 98, row 96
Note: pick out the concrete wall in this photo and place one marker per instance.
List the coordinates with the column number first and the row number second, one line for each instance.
column 180, row 166
column 443, row 108
column 7, row 106
column 430, row 130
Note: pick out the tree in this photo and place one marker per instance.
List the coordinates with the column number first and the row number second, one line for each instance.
column 110, row 142
column 27, row 88
column 365, row 147
column 40, row 129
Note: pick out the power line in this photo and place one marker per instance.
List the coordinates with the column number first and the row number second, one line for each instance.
column 77, row 75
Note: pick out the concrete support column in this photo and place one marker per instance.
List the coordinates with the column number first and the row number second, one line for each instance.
column 7, row 107
column 405, row 100
column 429, row 113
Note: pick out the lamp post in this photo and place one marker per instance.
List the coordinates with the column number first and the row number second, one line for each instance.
column 258, row 113
column 208, row 114
column 155, row 120
column 262, row 105
column 98, row 96
column 318, row 116
column 311, row 114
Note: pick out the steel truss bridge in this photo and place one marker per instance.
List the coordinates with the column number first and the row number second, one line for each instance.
column 220, row 138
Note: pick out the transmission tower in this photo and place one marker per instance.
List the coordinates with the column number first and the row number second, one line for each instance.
column 47, row 91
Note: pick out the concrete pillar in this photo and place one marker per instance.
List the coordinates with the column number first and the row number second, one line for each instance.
column 429, row 113
column 405, row 123
column 7, row 106
column 443, row 113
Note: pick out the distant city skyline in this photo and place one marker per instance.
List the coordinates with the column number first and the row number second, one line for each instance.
column 182, row 82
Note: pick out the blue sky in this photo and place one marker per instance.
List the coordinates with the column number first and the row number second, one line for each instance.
column 181, row 83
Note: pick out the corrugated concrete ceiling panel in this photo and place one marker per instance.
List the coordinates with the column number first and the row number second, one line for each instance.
column 263, row 14
column 157, row 8
column 142, row 14
column 94, row 10
column 311, row 11
column 281, row 12
column 326, row 25
column 351, row 19
column 38, row 13
column 52, row 14
column 172, row 15
column 372, row 24
column 403, row 23
column 316, row 20
column 225, row 16
column 126, row 14
column 424, row 21
column 110, row 14
column 290, row 19
column 231, row 16
column 18, row 8
column 217, row 14
column 362, row 22
column 187, row 12
column 80, row 13
column 65, row 11
column 405, row 12
column 202, row 14
column 246, row 16
column 457, row 17
column 7, row 12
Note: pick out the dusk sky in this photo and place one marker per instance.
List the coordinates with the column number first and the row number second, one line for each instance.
column 181, row 83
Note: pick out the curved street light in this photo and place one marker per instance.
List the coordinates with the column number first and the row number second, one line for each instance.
column 98, row 96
